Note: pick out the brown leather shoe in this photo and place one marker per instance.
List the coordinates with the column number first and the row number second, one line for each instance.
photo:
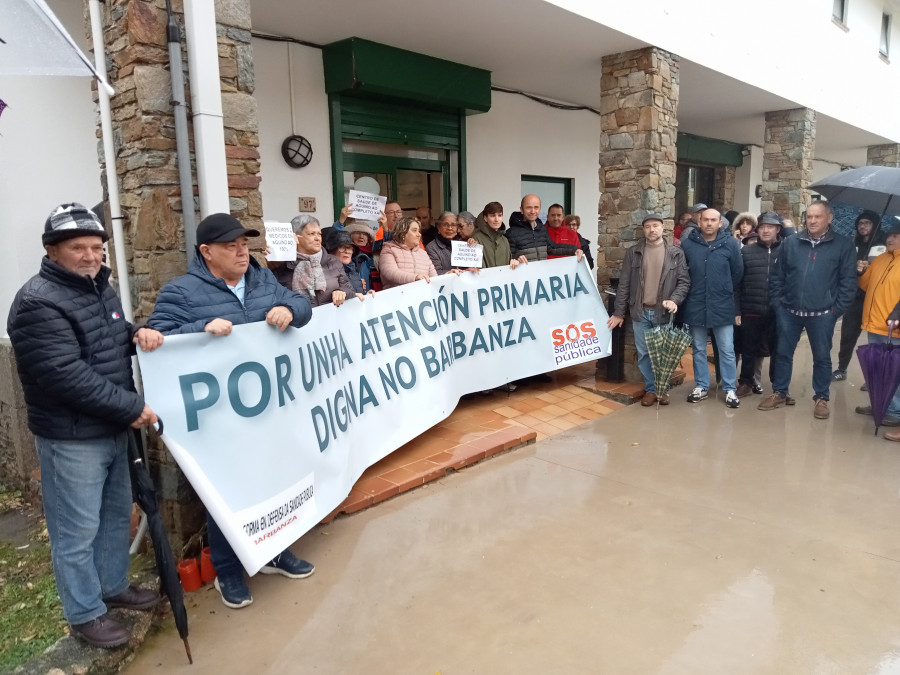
column 133, row 597
column 104, row 631
column 821, row 412
column 648, row 399
column 772, row 401
column 790, row 401
column 664, row 399
column 744, row 390
column 892, row 435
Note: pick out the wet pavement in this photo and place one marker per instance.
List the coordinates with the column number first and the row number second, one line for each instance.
column 687, row 539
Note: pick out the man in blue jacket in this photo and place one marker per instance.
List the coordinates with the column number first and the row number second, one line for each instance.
column 813, row 284
column 73, row 351
column 715, row 265
column 225, row 286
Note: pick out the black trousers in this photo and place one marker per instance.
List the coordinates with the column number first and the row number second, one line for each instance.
column 758, row 338
column 851, row 327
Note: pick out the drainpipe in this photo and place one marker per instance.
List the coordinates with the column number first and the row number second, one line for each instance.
column 206, row 105
column 109, row 156
column 182, row 147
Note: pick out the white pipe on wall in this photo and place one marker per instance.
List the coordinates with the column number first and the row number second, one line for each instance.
column 109, row 156
column 206, row 106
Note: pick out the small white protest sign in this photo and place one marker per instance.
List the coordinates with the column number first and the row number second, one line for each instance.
column 464, row 255
column 366, row 206
column 280, row 239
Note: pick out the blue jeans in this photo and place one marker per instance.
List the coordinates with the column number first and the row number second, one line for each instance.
column 820, row 331
column 894, row 407
column 223, row 558
column 724, row 336
column 647, row 321
column 87, row 502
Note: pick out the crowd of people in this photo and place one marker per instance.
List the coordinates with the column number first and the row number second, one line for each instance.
column 751, row 285
column 757, row 289
column 73, row 349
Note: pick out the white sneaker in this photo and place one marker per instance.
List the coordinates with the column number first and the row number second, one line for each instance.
column 731, row 400
column 699, row 394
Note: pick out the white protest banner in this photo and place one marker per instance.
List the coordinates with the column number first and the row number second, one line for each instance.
column 366, row 206
column 281, row 242
column 464, row 255
column 273, row 428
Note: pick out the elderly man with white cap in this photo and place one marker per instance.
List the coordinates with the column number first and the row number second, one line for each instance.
column 73, row 351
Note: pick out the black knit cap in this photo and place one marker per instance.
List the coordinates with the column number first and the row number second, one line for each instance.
column 68, row 221
column 337, row 238
column 220, row 228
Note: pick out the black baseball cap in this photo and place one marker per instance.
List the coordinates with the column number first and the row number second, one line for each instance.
column 221, row 228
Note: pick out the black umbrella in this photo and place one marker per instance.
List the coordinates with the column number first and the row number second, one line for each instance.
column 876, row 188
column 144, row 493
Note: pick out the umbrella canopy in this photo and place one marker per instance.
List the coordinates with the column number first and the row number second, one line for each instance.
column 144, row 493
column 880, row 365
column 666, row 346
column 876, row 188
column 34, row 42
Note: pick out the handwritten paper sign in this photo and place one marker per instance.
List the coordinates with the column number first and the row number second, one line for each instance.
column 366, row 205
column 464, row 255
column 280, row 238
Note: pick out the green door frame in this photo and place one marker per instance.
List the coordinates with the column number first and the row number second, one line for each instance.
column 566, row 183
column 390, row 165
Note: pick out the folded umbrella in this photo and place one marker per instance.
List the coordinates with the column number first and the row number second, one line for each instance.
column 666, row 346
column 880, row 365
column 144, row 493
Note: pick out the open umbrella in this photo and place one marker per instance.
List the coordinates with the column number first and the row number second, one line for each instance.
column 144, row 493
column 666, row 346
column 880, row 365
column 876, row 188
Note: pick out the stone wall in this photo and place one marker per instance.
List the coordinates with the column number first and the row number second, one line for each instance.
column 883, row 155
column 639, row 103
column 724, row 182
column 18, row 458
column 146, row 164
column 790, row 143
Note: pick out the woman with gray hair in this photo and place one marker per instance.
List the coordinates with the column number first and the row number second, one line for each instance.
column 315, row 274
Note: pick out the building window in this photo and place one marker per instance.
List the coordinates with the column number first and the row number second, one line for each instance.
column 885, row 46
column 839, row 11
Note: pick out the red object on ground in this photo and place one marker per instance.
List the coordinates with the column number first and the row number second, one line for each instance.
column 207, row 571
column 189, row 573
column 563, row 235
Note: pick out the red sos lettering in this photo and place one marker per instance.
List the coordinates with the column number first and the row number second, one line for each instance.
column 573, row 333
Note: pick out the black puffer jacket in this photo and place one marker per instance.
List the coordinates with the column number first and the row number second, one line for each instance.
column 73, row 349
column 759, row 262
column 534, row 243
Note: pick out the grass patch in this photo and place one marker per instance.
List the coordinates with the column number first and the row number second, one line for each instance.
column 30, row 612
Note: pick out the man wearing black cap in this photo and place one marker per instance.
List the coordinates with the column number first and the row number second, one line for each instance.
column 73, row 350
column 757, row 317
column 225, row 286
column 654, row 281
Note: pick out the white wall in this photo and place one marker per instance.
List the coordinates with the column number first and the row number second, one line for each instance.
column 48, row 155
column 746, row 178
column 282, row 185
column 792, row 49
column 519, row 136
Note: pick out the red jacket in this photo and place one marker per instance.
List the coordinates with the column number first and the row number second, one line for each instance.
column 563, row 235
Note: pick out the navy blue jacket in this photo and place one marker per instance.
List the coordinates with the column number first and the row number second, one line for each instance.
column 188, row 303
column 815, row 278
column 716, row 269
column 73, row 352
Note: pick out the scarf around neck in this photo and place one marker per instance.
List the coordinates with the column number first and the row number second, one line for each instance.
column 309, row 277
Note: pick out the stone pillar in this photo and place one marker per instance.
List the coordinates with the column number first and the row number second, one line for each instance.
column 639, row 125
column 883, row 155
column 146, row 164
column 724, row 184
column 790, row 142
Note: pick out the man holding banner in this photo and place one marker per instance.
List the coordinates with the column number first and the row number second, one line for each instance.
column 223, row 287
